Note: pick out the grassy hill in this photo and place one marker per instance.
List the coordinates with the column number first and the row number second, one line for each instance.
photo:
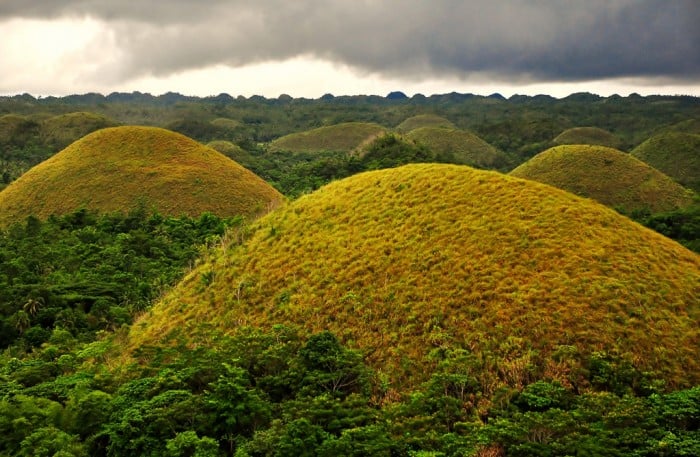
column 424, row 120
column 57, row 132
column 588, row 135
column 459, row 146
column 117, row 168
column 407, row 261
column 675, row 153
column 612, row 177
column 339, row 138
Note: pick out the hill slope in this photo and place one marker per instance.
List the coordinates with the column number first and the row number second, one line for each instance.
column 424, row 120
column 459, row 146
column 403, row 261
column 607, row 175
column 675, row 153
column 588, row 135
column 339, row 138
column 115, row 169
column 59, row 131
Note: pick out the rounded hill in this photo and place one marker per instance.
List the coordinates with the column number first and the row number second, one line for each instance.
column 406, row 261
column 459, row 147
column 59, row 131
column 424, row 120
column 607, row 175
column 675, row 153
column 116, row 169
column 588, row 135
column 338, row 138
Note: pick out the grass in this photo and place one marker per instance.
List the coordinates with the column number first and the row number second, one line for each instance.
column 461, row 146
column 407, row 261
column 588, row 135
column 118, row 168
column 675, row 153
column 335, row 138
column 424, row 120
column 607, row 175
column 60, row 131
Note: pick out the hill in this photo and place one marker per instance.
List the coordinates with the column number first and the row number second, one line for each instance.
column 406, row 261
column 675, row 153
column 607, row 175
column 339, row 138
column 117, row 168
column 459, row 147
column 57, row 132
column 588, row 135
column 424, row 120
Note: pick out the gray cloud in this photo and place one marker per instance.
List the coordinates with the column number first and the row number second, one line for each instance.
column 538, row 39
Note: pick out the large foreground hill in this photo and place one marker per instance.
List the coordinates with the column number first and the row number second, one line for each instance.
column 116, row 169
column 404, row 261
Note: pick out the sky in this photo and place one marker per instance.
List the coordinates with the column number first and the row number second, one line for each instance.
column 307, row 48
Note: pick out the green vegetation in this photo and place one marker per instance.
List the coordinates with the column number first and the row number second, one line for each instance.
column 588, row 135
column 83, row 272
column 116, row 169
column 338, row 138
column 675, row 154
column 459, row 147
column 402, row 261
column 273, row 393
column 424, row 120
column 607, row 175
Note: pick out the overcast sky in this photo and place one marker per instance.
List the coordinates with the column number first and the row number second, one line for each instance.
column 306, row 48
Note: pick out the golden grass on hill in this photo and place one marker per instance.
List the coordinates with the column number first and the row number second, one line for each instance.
column 117, row 168
column 402, row 261
column 607, row 175
column 588, row 135
column 225, row 123
column 60, row 131
column 337, row 138
column 675, row 153
column 424, row 120
column 462, row 147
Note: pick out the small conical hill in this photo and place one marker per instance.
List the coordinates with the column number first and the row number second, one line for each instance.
column 337, row 138
column 424, row 120
column 588, row 135
column 116, row 169
column 459, row 147
column 607, row 175
column 400, row 262
column 675, row 153
column 59, row 131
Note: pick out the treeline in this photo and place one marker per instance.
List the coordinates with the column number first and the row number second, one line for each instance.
column 85, row 272
column 275, row 394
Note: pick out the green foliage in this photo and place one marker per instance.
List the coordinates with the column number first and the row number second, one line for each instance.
column 85, row 272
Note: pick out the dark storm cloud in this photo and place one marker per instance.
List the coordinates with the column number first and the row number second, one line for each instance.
column 548, row 40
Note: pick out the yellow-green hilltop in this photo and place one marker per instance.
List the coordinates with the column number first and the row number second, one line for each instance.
column 338, row 138
column 588, row 135
column 459, row 146
column 607, row 175
column 116, row 169
column 424, row 120
column 675, row 153
column 400, row 262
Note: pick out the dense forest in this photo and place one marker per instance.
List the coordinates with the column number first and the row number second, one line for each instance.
column 71, row 287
